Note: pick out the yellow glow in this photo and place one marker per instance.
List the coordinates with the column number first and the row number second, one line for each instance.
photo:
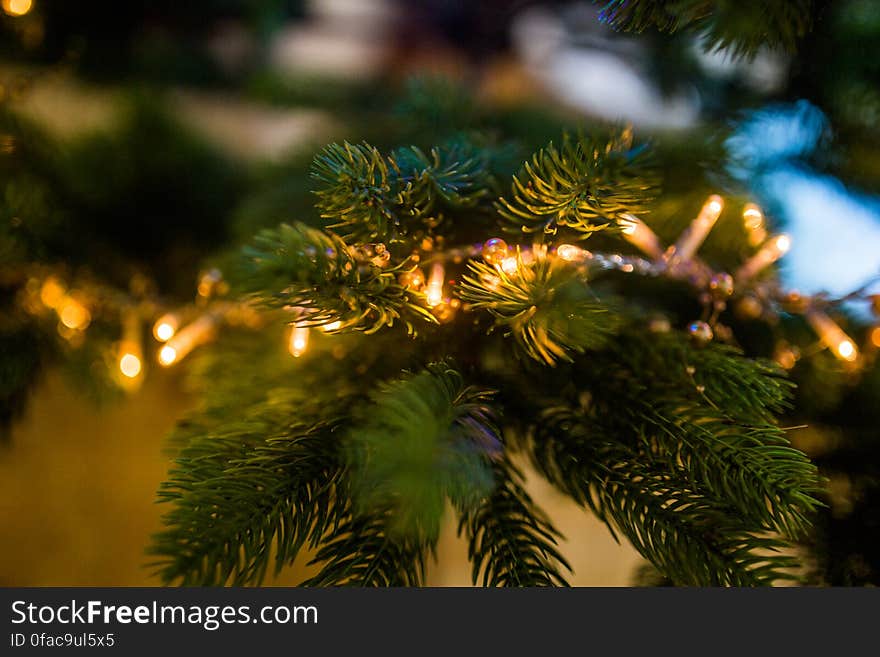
column 783, row 244
column 165, row 327
column 17, row 7
column 299, row 341
column 332, row 326
column 714, row 206
column 434, row 295
column 434, row 292
column 640, row 236
column 509, row 265
column 833, row 336
column 753, row 218
column 774, row 249
column 52, row 292
column 130, row 365
column 875, row 336
column 570, row 252
column 163, row 332
column 167, row 355
column 73, row 314
column 847, row 350
column 628, row 224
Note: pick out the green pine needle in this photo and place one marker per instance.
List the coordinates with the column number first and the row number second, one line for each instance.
column 544, row 304
column 585, row 184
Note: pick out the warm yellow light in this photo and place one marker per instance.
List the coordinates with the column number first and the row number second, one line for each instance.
column 847, row 350
column 299, row 341
column 17, row 7
column 434, row 295
column 833, row 336
column 167, row 355
column 753, row 218
column 52, row 292
column 628, row 224
column 714, row 206
column 774, row 249
column 332, row 326
column 783, row 244
column 640, row 236
column 130, row 365
column 73, row 314
column 570, row 252
column 875, row 336
column 165, row 327
column 509, row 265
column 163, row 332
column 434, row 291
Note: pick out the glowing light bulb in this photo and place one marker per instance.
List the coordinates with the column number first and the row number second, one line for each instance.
column 130, row 365
column 73, row 314
column 752, row 216
column 434, row 290
column 694, row 236
column 875, row 336
column 847, row 350
column 332, row 326
column 637, row 233
column 773, row 250
column 509, row 265
column 833, row 336
column 570, row 252
column 299, row 341
column 52, row 292
column 782, row 244
column 167, row 355
column 17, row 7
column 165, row 327
column 188, row 338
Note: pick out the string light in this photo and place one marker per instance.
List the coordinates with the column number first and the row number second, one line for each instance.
column 637, row 233
column 694, row 236
column 572, row 253
column 875, row 336
column 17, row 7
column 188, row 338
column 299, row 341
column 165, row 327
column 773, row 250
column 209, row 282
column 753, row 220
column 167, row 355
column 509, row 265
column 52, row 292
column 130, row 359
column 73, row 314
column 833, row 336
column 434, row 291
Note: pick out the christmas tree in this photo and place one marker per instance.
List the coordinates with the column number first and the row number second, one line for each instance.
column 398, row 327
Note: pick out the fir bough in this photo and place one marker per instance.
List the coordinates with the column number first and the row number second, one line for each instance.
column 356, row 452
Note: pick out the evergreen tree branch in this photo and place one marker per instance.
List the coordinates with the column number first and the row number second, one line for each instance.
column 544, row 304
column 360, row 552
column 422, row 438
column 584, row 184
column 316, row 272
column 510, row 541
column 725, row 440
column 243, row 489
column 370, row 197
column 688, row 534
column 742, row 26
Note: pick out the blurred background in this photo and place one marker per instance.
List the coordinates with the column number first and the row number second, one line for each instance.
column 141, row 141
